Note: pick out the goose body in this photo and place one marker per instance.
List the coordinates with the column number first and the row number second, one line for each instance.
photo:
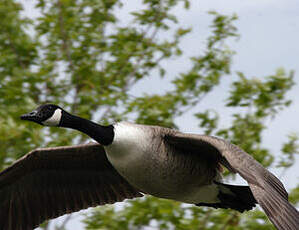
column 128, row 161
column 140, row 155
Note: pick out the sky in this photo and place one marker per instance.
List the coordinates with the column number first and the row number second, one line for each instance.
column 269, row 35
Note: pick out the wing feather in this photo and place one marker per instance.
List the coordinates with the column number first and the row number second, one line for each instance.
column 47, row 183
column 266, row 188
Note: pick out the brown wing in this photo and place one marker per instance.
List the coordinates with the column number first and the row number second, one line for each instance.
column 266, row 188
column 47, row 183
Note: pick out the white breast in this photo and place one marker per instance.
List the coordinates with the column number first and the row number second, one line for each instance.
column 130, row 140
column 130, row 150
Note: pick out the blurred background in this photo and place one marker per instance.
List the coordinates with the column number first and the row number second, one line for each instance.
column 224, row 68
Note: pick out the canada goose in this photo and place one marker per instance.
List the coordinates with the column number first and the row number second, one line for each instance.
column 129, row 161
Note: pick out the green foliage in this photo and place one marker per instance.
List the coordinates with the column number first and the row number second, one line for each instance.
column 209, row 67
column 164, row 214
column 82, row 57
column 289, row 150
column 208, row 120
column 294, row 195
column 267, row 97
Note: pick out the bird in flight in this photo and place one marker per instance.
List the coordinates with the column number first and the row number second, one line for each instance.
column 128, row 161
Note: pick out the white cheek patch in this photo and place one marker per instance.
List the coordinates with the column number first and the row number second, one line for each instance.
column 54, row 120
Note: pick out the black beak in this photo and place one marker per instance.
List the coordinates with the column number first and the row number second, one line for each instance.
column 29, row 116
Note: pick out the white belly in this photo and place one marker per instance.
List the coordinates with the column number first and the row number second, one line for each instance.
column 133, row 154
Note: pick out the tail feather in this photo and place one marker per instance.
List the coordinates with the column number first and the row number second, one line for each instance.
column 235, row 197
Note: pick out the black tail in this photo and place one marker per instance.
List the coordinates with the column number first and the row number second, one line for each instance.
column 235, row 197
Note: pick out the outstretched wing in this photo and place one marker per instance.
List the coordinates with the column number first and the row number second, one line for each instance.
column 49, row 182
column 266, row 188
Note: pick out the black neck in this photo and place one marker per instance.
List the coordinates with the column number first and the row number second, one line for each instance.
column 102, row 134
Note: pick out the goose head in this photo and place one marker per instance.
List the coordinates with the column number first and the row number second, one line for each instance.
column 47, row 115
column 53, row 115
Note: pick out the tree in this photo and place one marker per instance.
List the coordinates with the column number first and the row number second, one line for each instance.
column 79, row 55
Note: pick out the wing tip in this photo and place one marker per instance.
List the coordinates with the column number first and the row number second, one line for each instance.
column 277, row 207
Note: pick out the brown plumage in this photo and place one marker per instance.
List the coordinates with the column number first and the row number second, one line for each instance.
column 47, row 183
